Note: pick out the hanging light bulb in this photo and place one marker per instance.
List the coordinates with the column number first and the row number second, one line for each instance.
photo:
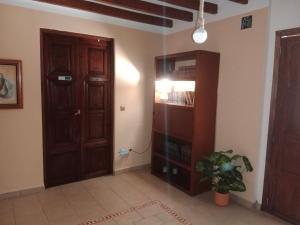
column 200, row 34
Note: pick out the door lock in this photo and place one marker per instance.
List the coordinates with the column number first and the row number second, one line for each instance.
column 77, row 112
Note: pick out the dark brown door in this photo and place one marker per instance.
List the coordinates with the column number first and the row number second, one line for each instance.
column 96, row 72
column 77, row 106
column 282, row 189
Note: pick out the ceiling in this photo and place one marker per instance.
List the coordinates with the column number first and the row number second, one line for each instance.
column 161, row 16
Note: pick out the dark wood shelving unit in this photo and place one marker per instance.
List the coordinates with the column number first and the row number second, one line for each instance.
column 175, row 162
column 188, row 107
column 172, row 135
column 185, row 133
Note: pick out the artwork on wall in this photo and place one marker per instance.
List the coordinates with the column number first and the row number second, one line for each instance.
column 10, row 84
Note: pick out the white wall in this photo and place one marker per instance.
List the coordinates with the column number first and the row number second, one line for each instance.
column 283, row 14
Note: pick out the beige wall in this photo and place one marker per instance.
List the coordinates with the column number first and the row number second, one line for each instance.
column 21, row 164
column 240, row 86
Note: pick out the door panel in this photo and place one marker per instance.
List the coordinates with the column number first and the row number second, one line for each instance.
column 96, row 61
column 77, row 107
column 282, row 190
column 97, row 107
column 61, row 58
column 64, row 168
column 95, row 126
column 96, row 96
column 61, row 94
column 62, row 125
column 97, row 160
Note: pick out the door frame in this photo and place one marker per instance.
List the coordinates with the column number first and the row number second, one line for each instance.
column 45, row 31
column 267, row 200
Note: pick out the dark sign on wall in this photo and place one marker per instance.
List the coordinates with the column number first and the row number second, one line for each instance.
column 246, row 22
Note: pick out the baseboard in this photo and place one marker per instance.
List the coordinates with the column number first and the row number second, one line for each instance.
column 246, row 203
column 130, row 169
column 24, row 192
column 35, row 190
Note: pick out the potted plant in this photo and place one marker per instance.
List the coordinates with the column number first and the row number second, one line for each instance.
column 224, row 170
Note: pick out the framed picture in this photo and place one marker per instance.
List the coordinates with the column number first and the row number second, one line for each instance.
column 11, row 95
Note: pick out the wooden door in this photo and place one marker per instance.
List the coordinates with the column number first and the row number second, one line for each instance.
column 97, row 85
column 77, row 82
column 282, row 185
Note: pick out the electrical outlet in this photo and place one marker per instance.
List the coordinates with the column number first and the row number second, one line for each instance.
column 124, row 152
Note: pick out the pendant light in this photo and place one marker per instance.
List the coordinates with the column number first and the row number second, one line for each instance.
column 200, row 34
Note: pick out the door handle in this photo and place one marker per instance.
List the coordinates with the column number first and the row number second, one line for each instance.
column 77, row 113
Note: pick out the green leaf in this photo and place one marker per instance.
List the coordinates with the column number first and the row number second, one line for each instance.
column 214, row 157
column 227, row 152
column 237, row 174
column 236, row 157
column 200, row 166
column 204, row 179
column 205, row 168
column 247, row 164
column 223, row 159
column 238, row 186
column 223, row 186
column 215, row 169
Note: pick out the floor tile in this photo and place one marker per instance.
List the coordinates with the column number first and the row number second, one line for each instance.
column 105, row 197
column 55, row 211
column 66, row 220
column 109, row 200
column 28, row 205
column 6, row 208
column 7, row 220
column 32, row 219
column 149, row 221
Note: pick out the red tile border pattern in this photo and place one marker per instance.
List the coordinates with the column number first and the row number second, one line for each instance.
column 163, row 206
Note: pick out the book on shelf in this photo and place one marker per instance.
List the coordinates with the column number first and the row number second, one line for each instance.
column 181, row 98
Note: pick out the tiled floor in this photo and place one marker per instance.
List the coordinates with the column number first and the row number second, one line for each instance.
column 90, row 200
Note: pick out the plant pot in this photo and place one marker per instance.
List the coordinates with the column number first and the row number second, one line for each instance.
column 221, row 199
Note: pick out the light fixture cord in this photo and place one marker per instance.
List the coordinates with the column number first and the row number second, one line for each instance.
column 201, row 20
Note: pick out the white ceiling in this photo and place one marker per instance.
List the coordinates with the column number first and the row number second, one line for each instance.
column 226, row 9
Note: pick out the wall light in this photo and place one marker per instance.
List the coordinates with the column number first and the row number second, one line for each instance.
column 127, row 71
column 200, row 34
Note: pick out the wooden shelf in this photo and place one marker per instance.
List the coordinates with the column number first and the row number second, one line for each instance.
column 175, row 162
column 179, row 75
column 174, row 105
column 185, row 132
column 173, row 135
column 162, row 177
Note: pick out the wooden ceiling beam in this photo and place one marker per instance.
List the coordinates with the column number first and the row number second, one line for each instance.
column 111, row 11
column 194, row 4
column 240, row 1
column 152, row 8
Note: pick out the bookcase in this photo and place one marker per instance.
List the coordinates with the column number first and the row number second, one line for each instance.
column 184, row 116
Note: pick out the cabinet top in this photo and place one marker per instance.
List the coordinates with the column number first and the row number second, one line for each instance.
column 186, row 55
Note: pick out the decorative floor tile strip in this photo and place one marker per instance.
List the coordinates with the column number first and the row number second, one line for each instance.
column 158, row 203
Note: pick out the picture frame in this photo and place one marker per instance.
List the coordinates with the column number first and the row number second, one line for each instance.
column 11, row 89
